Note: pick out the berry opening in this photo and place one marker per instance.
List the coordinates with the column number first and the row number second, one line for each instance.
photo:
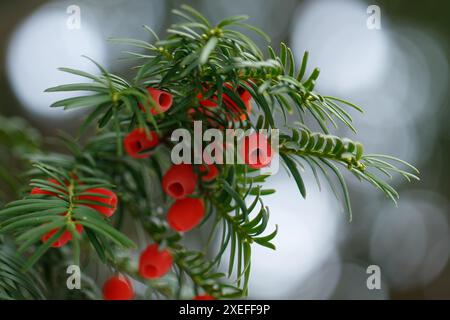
column 165, row 100
column 138, row 145
column 176, row 189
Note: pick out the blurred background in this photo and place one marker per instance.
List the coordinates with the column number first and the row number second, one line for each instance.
column 390, row 57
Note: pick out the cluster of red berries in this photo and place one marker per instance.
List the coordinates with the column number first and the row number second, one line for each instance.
column 102, row 200
column 119, row 287
column 153, row 263
column 256, row 150
column 233, row 110
column 180, row 182
column 139, row 143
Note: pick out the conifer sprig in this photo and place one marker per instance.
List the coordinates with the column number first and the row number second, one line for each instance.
column 195, row 58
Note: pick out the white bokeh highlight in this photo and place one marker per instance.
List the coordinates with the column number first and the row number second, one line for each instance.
column 411, row 243
column 307, row 237
column 350, row 56
column 43, row 43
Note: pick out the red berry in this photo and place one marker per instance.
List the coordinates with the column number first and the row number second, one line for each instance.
column 186, row 214
column 110, row 201
column 163, row 100
column 179, row 181
column 245, row 96
column 204, row 297
column 256, row 151
column 209, row 103
column 63, row 239
column 37, row 190
column 154, row 263
column 234, row 108
column 118, row 288
column 137, row 143
column 210, row 172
